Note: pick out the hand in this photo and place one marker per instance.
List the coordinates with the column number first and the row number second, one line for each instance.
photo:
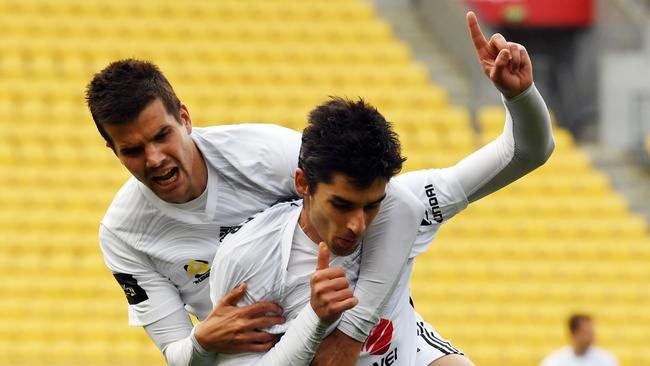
column 231, row 329
column 505, row 63
column 330, row 291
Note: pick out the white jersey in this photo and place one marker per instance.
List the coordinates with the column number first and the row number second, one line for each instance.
column 261, row 251
column 567, row 357
column 161, row 253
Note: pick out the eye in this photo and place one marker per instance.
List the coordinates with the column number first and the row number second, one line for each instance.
column 162, row 136
column 341, row 206
column 131, row 151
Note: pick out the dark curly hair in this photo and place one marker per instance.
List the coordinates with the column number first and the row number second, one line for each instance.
column 349, row 137
column 119, row 92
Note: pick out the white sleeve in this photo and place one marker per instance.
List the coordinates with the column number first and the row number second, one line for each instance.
column 174, row 336
column 265, row 153
column 287, row 144
column 386, row 249
column 442, row 196
column 150, row 295
column 525, row 144
column 297, row 346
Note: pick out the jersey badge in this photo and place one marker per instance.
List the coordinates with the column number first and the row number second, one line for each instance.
column 199, row 269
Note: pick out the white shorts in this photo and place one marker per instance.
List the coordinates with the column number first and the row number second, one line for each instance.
column 431, row 346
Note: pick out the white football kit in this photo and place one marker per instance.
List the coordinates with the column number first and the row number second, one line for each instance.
column 567, row 357
column 276, row 260
column 161, row 253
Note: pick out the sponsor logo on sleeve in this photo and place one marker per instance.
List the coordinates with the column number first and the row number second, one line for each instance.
column 378, row 343
column 199, row 269
column 134, row 293
column 436, row 212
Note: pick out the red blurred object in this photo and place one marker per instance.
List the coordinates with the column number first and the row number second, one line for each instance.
column 535, row 13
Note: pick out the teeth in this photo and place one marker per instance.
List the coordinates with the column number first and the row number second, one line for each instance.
column 165, row 173
column 168, row 181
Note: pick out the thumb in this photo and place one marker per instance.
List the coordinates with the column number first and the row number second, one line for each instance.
column 323, row 256
column 233, row 296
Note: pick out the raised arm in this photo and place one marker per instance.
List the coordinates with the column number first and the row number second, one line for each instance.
column 527, row 140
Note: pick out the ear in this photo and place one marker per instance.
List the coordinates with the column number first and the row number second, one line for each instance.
column 302, row 186
column 186, row 118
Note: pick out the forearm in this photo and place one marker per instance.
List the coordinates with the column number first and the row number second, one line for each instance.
column 296, row 347
column 525, row 144
column 299, row 344
column 337, row 349
column 385, row 252
column 188, row 352
column 174, row 336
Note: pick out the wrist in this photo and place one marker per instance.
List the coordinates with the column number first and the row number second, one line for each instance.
column 313, row 317
column 511, row 97
column 198, row 339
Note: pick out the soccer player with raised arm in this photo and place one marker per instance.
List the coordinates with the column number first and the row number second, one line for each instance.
column 192, row 186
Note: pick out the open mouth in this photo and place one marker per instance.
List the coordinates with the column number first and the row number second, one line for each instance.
column 167, row 177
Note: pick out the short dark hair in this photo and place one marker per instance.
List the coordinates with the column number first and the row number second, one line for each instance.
column 575, row 320
column 119, row 92
column 349, row 137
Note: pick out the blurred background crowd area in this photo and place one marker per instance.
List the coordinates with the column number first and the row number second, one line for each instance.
column 501, row 278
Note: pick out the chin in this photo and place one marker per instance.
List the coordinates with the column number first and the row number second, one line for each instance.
column 344, row 252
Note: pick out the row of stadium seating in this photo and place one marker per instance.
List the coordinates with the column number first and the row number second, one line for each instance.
column 499, row 280
column 199, row 10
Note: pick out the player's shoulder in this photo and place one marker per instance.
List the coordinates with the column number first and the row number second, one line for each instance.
column 606, row 357
column 440, row 178
column 263, row 133
column 557, row 358
column 252, row 150
column 129, row 207
column 439, row 189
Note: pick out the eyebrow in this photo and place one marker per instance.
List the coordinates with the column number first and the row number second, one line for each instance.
column 160, row 132
column 343, row 200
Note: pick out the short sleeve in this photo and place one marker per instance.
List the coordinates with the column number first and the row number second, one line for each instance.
column 263, row 155
column 442, row 196
column 150, row 295
column 287, row 144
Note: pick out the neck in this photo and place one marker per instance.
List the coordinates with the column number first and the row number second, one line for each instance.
column 199, row 172
column 307, row 227
column 580, row 350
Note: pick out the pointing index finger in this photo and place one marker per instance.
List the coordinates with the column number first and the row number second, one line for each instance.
column 475, row 32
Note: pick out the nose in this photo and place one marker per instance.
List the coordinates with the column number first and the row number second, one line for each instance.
column 357, row 222
column 154, row 156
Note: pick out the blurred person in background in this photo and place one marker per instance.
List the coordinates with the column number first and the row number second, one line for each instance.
column 581, row 352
